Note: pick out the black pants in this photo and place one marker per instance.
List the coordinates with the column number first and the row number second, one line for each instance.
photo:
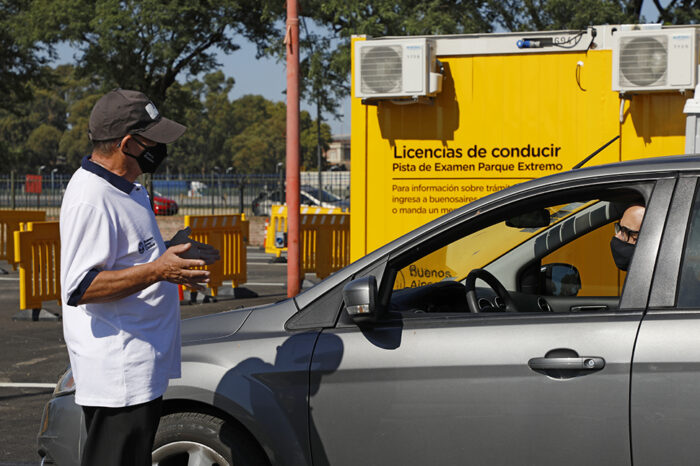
column 121, row 436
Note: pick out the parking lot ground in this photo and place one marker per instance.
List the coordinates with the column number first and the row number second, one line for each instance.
column 34, row 353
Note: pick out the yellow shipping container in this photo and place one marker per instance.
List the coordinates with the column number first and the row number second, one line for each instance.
column 504, row 115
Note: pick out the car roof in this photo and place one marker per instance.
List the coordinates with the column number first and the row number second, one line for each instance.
column 688, row 162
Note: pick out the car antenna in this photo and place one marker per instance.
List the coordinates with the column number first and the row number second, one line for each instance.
column 582, row 162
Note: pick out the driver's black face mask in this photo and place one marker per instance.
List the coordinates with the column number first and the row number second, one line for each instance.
column 622, row 253
column 151, row 158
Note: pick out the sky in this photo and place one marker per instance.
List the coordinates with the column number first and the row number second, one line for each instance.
column 267, row 77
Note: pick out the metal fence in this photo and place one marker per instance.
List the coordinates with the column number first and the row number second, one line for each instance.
column 193, row 194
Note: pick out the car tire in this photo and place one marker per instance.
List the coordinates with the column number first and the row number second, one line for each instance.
column 196, row 438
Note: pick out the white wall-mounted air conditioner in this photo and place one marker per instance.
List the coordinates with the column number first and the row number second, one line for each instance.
column 396, row 69
column 654, row 60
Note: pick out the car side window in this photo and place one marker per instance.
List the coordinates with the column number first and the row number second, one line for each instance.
column 541, row 258
column 689, row 283
column 591, row 256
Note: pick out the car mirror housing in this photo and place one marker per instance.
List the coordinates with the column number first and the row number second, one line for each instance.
column 360, row 296
column 560, row 279
column 535, row 219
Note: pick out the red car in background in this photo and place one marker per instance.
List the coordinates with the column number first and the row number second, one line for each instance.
column 163, row 205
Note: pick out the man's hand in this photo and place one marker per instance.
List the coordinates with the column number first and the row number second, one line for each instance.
column 111, row 285
column 198, row 250
column 172, row 266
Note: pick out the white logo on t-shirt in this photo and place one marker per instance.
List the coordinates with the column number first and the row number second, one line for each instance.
column 146, row 245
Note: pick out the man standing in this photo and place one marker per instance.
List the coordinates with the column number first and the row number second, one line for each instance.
column 121, row 314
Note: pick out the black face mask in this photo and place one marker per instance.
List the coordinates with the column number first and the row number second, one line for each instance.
column 151, row 158
column 622, row 253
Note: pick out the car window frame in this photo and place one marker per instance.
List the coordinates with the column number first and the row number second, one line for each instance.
column 665, row 287
column 658, row 199
column 375, row 263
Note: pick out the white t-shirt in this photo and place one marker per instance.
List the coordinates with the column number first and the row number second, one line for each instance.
column 122, row 352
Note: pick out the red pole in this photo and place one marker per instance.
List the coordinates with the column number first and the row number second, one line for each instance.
column 293, row 254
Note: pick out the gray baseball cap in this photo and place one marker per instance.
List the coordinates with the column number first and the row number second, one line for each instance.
column 121, row 112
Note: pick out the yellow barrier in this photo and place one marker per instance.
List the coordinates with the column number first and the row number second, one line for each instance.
column 37, row 250
column 9, row 223
column 278, row 224
column 229, row 234
column 324, row 241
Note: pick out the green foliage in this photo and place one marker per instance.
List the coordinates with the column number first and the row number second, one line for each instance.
column 147, row 44
column 204, row 107
column 407, row 17
column 324, row 70
column 261, row 144
column 21, row 58
column 31, row 132
column 74, row 143
column 541, row 15
column 247, row 135
column 379, row 18
column 325, row 41
column 151, row 45
column 679, row 12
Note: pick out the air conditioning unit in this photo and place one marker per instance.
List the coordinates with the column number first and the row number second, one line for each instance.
column 396, row 69
column 654, row 60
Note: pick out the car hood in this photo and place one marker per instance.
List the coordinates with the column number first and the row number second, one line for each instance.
column 213, row 326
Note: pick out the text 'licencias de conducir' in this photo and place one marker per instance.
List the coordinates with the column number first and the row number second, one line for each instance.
column 447, row 159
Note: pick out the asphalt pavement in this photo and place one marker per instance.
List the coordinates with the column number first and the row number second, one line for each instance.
column 33, row 354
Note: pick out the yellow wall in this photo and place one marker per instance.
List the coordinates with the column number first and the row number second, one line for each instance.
column 488, row 104
column 654, row 125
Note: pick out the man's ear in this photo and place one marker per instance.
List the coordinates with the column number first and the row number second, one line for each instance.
column 124, row 141
column 129, row 145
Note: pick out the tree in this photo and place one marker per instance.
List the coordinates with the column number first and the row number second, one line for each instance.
column 325, row 46
column 310, row 137
column 75, row 144
column 407, row 17
column 323, row 69
column 205, row 108
column 683, row 12
column 79, row 94
column 540, row 15
column 21, row 59
column 31, row 134
column 247, row 134
column 147, row 44
column 325, row 42
column 261, row 144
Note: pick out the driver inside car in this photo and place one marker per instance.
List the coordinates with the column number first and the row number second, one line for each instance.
column 626, row 233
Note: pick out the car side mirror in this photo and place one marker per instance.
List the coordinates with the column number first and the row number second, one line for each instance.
column 360, row 298
column 560, row 279
column 539, row 218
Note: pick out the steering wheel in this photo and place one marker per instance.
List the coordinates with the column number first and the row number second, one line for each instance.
column 496, row 286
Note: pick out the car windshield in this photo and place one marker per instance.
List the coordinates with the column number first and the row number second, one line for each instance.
column 327, row 197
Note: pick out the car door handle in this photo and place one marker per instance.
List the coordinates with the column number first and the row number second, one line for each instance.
column 596, row 307
column 583, row 363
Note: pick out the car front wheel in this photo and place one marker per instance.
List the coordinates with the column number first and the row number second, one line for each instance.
column 187, row 439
